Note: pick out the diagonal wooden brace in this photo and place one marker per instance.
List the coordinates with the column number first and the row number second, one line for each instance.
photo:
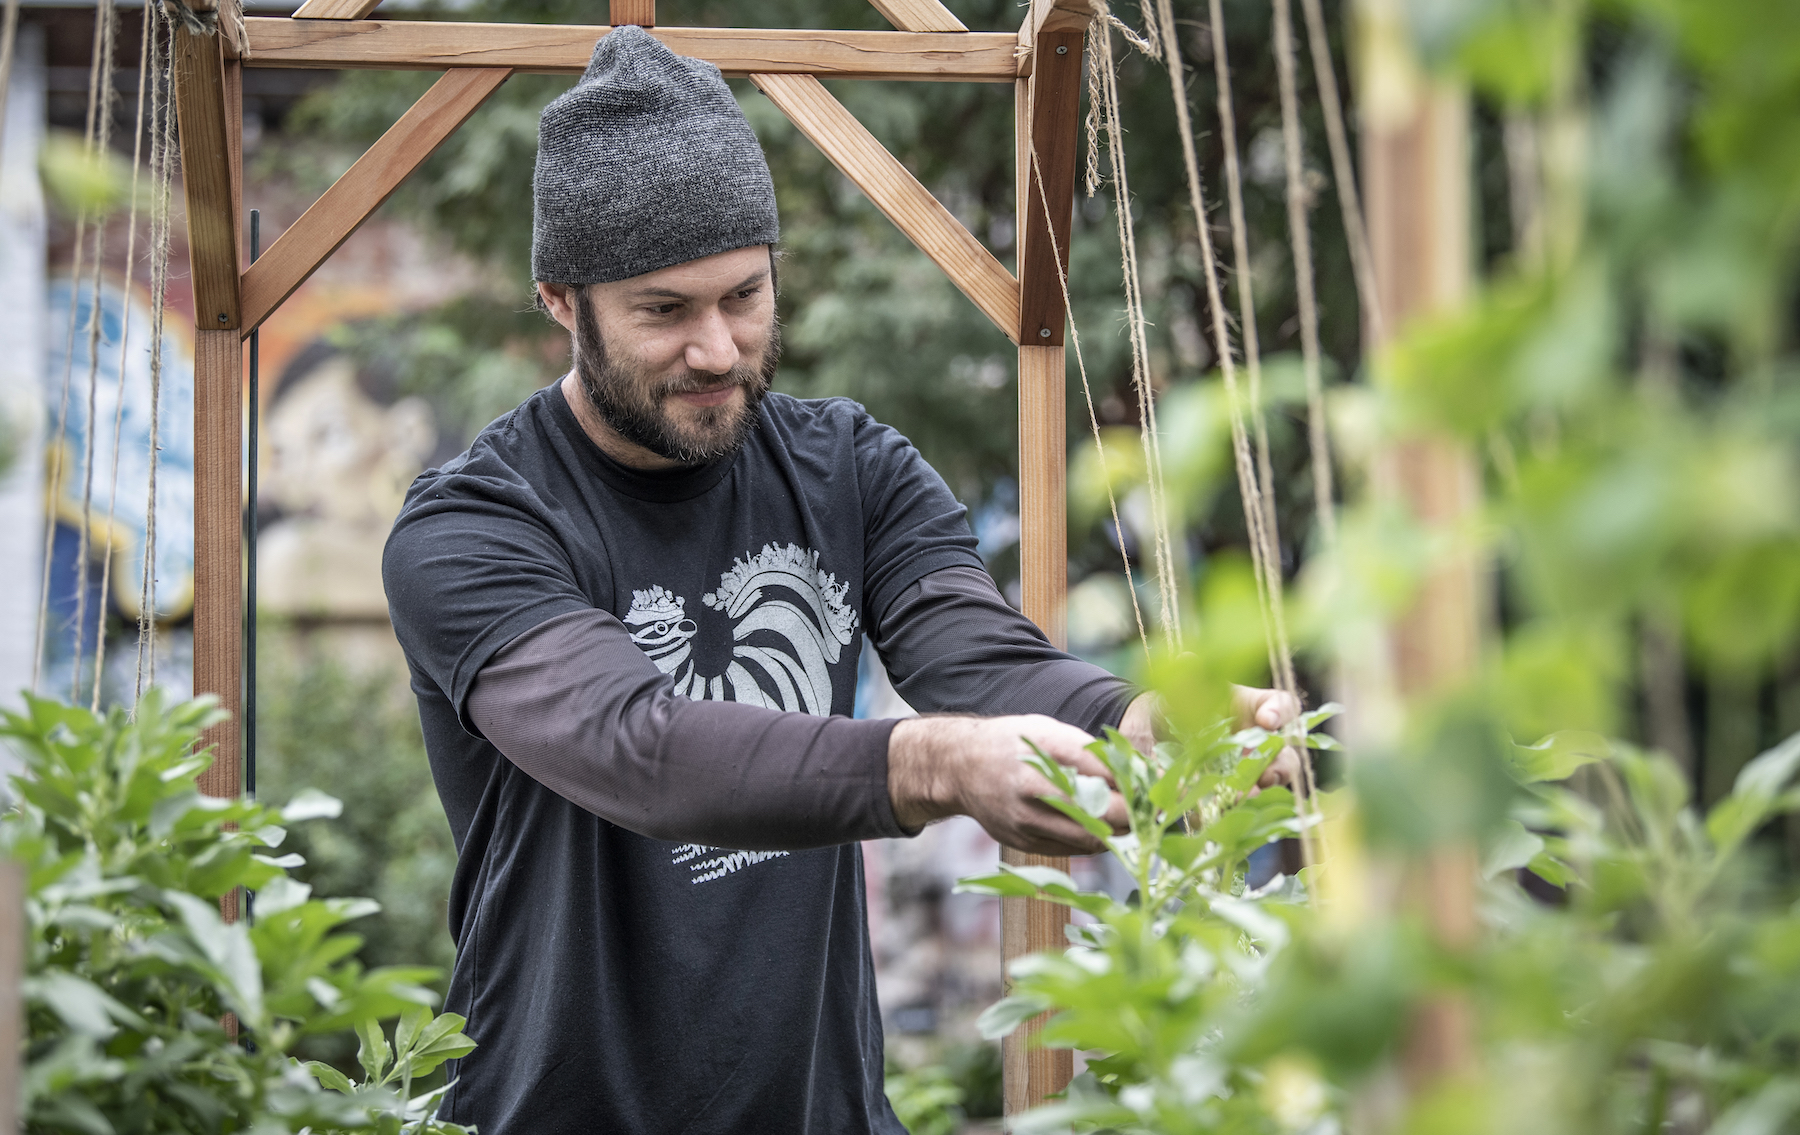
column 348, row 203
column 897, row 193
column 919, row 15
column 336, row 9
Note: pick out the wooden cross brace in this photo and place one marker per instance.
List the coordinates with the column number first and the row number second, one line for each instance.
column 1042, row 60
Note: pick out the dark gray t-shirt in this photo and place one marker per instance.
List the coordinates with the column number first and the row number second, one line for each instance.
column 620, row 981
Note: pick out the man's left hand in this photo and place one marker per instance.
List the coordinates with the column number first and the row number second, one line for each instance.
column 1268, row 709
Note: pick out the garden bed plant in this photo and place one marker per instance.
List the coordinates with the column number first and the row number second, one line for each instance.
column 147, row 1011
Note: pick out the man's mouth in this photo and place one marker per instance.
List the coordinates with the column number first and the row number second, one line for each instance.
column 709, row 396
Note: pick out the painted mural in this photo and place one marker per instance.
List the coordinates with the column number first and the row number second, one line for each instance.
column 98, row 399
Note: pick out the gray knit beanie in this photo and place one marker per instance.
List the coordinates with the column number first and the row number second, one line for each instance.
column 645, row 163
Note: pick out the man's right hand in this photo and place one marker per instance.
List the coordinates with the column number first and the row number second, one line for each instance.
column 971, row 766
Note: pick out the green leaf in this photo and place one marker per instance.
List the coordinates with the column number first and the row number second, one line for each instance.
column 373, row 1053
column 1007, row 1014
column 311, row 804
column 1510, row 848
column 329, row 1077
column 1092, row 795
column 1311, row 721
column 1100, row 829
column 1557, row 756
column 83, row 1006
column 1551, row 869
column 1765, row 1113
column 412, row 1024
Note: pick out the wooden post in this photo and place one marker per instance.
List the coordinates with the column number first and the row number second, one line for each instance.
column 639, row 12
column 204, row 97
column 1415, row 152
column 1046, row 119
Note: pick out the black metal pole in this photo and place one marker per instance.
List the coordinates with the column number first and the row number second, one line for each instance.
column 250, row 536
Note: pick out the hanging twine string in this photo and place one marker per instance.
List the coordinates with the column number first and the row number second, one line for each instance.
column 1362, row 264
column 1103, row 79
column 162, row 146
column 102, row 53
column 9, row 37
column 1249, row 485
column 1249, row 492
column 1266, row 533
column 1087, row 393
column 131, row 231
column 1300, row 236
column 100, row 113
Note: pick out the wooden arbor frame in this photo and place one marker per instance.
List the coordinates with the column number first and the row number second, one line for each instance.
column 1042, row 61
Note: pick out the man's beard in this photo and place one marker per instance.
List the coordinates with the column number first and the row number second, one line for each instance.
column 634, row 404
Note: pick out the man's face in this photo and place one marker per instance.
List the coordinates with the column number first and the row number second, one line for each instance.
column 677, row 361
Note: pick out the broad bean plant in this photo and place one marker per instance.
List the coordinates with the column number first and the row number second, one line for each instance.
column 1647, row 981
column 149, row 1012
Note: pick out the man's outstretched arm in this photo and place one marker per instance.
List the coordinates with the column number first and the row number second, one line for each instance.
column 578, row 707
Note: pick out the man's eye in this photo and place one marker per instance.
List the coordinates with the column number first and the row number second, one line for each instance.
column 664, row 308
column 747, row 293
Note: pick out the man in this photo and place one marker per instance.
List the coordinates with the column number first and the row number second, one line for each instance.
column 631, row 609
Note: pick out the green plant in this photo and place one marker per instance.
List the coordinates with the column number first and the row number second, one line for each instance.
column 926, row 1100
column 147, row 1011
column 1661, row 988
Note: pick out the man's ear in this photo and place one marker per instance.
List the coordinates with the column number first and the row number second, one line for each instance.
column 560, row 300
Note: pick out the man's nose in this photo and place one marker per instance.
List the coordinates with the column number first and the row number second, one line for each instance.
column 712, row 350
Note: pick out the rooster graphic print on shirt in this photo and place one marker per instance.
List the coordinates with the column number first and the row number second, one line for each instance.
column 788, row 623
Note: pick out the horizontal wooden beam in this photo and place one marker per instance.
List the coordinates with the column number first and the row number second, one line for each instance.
column 348, row 203
column 919, row 15
column 336, row 9
column 897, row 193
column 564, row 49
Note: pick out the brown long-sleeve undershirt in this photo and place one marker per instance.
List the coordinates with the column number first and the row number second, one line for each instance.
column 577, row 706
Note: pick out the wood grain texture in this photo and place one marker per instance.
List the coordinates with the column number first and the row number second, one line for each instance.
column 234, row 141
column 898, row 194
column 1029, row 926
column 299, row 251
column 639, row 12
column 1058, row 16
column 229, row 11
column 336, row 9
column 1055, row 125
column 218, row 546
column 1043, row 496
column 919, row 15
column 564, row 49
column 206, row 173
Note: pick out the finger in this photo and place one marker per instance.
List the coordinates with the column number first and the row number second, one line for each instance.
column 1284, row 770
column 1045, row 831
column 1072, row 752
column 1270, row 709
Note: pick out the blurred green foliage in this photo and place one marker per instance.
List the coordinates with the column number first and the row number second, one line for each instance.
column 1658, row 993
column 355, row 732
